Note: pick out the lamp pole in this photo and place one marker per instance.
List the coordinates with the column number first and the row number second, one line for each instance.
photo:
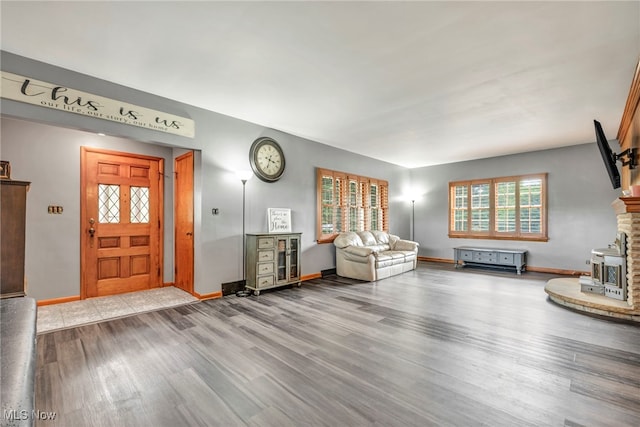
column 244, row 239
column 244, row 176
column 413, row 219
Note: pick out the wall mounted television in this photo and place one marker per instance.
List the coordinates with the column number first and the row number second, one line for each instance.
column 608, row 156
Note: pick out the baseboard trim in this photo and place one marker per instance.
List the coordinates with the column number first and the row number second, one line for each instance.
column 558, row 271
column 310, row 276
column 430, row 259
column 62, row 300
column 212, row 295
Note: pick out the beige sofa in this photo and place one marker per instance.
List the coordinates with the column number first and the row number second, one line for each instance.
column 373, row 255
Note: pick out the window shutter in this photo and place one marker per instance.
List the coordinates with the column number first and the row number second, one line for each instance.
column 350, row 203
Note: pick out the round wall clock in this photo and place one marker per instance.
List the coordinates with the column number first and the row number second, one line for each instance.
column 267, row 159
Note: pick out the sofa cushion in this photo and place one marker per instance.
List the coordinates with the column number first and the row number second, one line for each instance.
column 360, row 251
column 383, row 260
column 348, row 239
column 404, row 245
column 368, row 239
column 381, row 237
column 379, row 248
column 409, row 255
column 387, row 258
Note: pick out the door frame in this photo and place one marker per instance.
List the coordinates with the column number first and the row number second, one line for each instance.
column 84, row 225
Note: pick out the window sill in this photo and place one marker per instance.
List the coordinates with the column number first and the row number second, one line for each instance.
column 326, row 239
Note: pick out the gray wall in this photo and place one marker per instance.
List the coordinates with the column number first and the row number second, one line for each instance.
column 579, row 193
column 580, row 216
column 222, row 145
column 49, row 157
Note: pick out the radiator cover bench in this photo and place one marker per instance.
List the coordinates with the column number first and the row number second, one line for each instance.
column 504, row 258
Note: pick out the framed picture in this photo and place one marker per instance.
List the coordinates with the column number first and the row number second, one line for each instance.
column 5, row 170
column 279, row 220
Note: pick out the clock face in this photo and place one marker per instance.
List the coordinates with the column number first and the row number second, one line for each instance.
column 267, row 159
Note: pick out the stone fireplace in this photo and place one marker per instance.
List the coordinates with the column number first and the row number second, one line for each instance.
column 609, row 269
column 627, row 210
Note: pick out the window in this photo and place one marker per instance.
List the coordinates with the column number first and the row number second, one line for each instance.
column 348, row 202
column 108, row 204
column 499, row 208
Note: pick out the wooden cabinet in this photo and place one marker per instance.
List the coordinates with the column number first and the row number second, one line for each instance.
column 272, row 260
column 13, row 208
column 496, row 257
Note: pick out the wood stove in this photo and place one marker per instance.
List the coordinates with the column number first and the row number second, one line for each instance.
column 608, row 271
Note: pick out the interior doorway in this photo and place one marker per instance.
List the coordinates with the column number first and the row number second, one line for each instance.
column 121, row 222
column 183, row 218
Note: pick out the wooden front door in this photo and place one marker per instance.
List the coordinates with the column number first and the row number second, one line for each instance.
column 121, row 222
column 183, row 217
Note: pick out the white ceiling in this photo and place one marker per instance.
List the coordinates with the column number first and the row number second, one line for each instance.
column 411, row 83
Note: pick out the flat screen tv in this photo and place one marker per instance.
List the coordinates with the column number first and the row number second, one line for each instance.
column 607, row 156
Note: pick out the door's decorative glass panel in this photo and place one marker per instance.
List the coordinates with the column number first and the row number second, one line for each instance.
column 108, row 204
column 139, row 205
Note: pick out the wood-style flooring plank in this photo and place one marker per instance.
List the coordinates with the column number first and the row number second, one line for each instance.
column 431, row 347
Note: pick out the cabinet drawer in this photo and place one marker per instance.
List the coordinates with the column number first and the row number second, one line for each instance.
column 485, row 257
column 265, row 268
column 265, row 255
column 265, row 242
column 506, row 258
column 466, row 255
column 264, row 281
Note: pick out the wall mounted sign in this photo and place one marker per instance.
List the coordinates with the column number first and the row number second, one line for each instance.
column 279, row 220
column 36, row 92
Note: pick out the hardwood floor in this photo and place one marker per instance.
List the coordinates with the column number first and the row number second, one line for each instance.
column 430, row 347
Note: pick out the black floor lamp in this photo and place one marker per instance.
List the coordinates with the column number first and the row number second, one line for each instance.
column 244, row 177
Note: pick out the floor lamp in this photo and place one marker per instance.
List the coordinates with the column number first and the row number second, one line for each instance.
column 413, row 219
column 244, row 177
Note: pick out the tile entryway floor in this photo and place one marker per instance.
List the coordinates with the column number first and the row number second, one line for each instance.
column 92, row 310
